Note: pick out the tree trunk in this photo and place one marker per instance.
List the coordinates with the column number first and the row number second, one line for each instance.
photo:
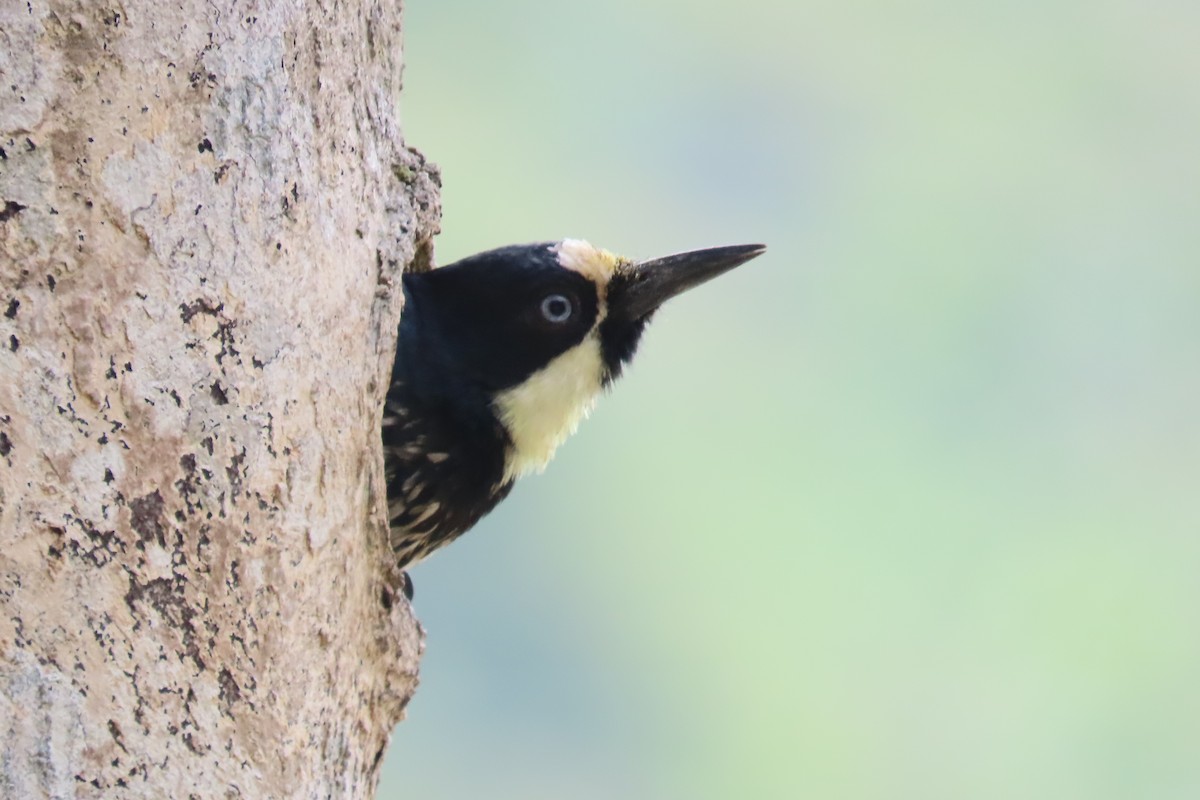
column 205, row 207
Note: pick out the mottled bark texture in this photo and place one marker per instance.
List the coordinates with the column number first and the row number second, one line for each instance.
column 205, row 207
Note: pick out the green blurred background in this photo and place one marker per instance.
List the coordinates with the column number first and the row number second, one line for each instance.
column 906, row 508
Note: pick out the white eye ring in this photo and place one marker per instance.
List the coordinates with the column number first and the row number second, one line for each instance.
column 557, row 308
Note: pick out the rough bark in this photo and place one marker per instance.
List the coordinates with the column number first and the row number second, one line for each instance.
column 205, row 207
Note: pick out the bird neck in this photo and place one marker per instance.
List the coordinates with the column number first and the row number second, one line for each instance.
column 539, row 413
column 425, row 376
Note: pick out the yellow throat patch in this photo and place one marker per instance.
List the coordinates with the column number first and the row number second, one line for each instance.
column 544, row 409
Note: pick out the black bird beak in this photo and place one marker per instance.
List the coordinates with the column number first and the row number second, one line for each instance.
column 646, row 285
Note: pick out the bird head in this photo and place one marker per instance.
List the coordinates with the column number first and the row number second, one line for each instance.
column 540, row 330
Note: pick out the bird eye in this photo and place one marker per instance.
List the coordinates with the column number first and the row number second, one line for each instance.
column 557, row 308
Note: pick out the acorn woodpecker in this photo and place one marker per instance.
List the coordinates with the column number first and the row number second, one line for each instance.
column 499, row 356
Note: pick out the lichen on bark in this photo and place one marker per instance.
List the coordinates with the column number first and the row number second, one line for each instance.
column 202, row 228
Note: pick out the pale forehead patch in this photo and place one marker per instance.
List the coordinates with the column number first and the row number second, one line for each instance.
column 595, row 264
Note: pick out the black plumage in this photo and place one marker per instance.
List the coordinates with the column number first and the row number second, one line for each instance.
column 498, row 357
